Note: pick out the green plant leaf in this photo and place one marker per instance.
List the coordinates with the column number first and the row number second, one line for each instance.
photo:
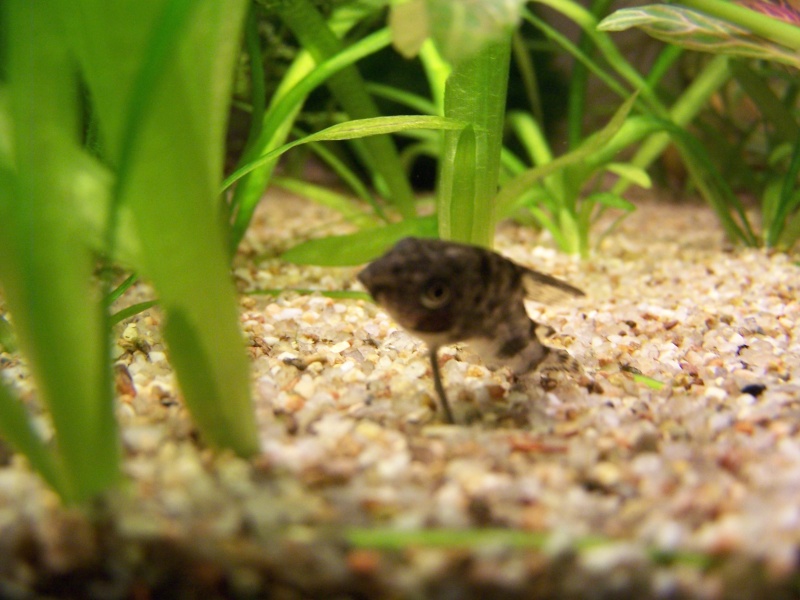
column 695, row 30
column 475, row 94
column 653, row 384
column 335, row 294
column 519, row 184
column 17, row 428
column 161, row 87
column 611, row 200
column 347, row 131
column 300, row 79
column 632, row 173
column 46, row 267
column 378, row 153
column 130, row 311
column 461, row 218
column 358, row 248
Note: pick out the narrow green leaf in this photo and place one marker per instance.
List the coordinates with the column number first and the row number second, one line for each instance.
column 461, row 217
column 519, row 184
column 17, row 429
column 611, row 200
column 130, row 311
column 786, row 203
column 120, row 290
column 392, row 539
column 780, row 117
column 632, row 173
column 404, row 539
column 348, row 131
column 380, row 154
column 334, row 294
column 358, row 248
column 654, row 384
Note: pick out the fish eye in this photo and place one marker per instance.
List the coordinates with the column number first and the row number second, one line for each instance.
column 436, row 294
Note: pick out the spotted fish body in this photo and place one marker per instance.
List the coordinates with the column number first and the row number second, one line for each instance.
column 445, row 292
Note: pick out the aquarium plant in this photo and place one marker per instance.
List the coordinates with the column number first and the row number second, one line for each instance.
column 112, row 119
column 747, row 38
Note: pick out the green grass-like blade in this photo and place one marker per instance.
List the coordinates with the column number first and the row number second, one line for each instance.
column 169, row 150
column 519, row 184
column 302, row 77
column 318, row 38
column 47, row 266
column 462, row 222
column 653, row 384
column 17, row 429
column 399, row 540
column 333, row 294
column 358, row 248
column 347, row 131
column 130, row 311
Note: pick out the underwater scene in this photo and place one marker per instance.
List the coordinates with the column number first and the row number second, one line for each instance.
column 399, row 299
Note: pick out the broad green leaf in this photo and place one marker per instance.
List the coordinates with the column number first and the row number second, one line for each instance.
column 695, row 30
column 358, row 248
column 159, row 74
column 46, row 267
column 475, row 94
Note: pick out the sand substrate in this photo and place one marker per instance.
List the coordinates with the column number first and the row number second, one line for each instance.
column 671, row 469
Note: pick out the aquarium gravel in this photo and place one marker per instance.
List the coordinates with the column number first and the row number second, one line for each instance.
column 669, row 468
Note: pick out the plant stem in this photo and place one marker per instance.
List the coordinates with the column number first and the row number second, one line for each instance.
column 475, row 94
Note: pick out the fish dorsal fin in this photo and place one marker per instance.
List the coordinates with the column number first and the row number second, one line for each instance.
column 547, row 289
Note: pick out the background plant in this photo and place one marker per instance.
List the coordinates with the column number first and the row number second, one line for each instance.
column 762, row 152
column 564, row 194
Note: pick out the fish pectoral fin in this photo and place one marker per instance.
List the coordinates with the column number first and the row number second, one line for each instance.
column 547, row 289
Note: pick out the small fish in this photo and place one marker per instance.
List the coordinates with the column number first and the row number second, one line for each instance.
column 446, row 292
